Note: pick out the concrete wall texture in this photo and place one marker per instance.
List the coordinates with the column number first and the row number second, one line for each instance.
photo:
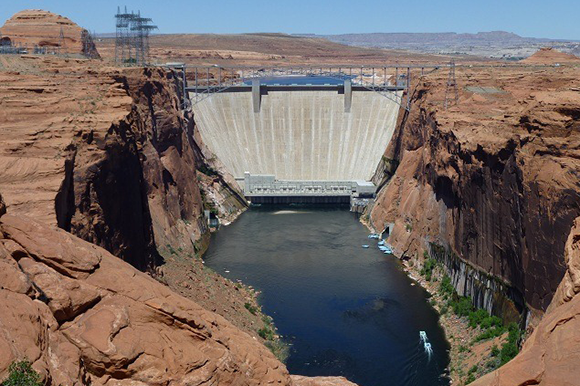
column 298, row 135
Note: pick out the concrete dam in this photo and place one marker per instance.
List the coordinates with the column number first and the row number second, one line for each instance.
column 316, row 142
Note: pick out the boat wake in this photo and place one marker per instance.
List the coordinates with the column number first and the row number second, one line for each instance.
column 288, row 212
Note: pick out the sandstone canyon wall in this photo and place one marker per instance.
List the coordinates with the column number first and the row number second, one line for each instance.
column 103, row 153
column 132, row 186
column 550, row 356
column 494, row 181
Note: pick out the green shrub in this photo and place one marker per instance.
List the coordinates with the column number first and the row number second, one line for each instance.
column 446, row 287
column 462, row 307
column 253, row 310
column 266, row 333
column 494, row 351
column 22, row 374
column 490, row 333
column 427, row 269
column 208, row 171
column 477, row 317
column 491, row 321
column 492, row 364
column 511, row 348
column 470, row 378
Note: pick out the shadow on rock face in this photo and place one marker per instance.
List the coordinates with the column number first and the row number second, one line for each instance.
column 2, row 206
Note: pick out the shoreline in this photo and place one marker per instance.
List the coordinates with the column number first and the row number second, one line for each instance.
column 464, row 355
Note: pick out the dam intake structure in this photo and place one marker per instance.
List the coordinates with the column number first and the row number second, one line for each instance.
column 299, row 135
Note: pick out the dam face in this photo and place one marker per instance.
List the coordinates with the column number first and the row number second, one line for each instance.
column 298, row 135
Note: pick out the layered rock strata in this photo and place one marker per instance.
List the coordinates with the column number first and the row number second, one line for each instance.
column 494, row 180
column 37, row 28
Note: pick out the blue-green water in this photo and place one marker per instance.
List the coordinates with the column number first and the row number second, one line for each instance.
column 301, row 80
column 345, row 310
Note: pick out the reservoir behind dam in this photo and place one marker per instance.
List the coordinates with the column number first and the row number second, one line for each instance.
column 343, row 309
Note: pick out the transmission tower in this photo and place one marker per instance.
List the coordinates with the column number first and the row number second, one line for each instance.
column 122, row 36
column 132, row 38
column 141, row 29
column 62, row 42
column 451, row 83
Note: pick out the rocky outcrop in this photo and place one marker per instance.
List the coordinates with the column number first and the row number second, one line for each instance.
column 570, row 285
column 132, row 187
column 110, row 159
column 37, row 28
column 550, row 356
column 82, row 316
column 493, row 180
column 320, row 381
column 551, row 56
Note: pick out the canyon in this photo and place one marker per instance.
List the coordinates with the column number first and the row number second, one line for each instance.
column 104, row 182
column 109, row 160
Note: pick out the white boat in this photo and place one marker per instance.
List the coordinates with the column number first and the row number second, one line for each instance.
column 365, row 246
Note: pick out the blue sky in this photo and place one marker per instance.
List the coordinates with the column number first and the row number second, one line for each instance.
column 533, row 18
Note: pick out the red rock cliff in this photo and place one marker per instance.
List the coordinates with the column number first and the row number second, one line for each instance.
column 550, row 356
column 494, row 179
column 103, row 153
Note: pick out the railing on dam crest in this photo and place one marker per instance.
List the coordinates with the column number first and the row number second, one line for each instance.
column 391, row 81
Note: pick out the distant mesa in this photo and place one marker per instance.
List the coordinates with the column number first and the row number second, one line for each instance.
column 38, row 28
column 549, row 55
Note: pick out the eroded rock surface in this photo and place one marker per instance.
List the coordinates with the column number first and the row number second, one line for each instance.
column 37, row 28
column 103, row 153
column 495, row 179
column 550, row 356
column 83, row 316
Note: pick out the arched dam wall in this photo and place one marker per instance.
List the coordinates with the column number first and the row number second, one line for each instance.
column 298, row 135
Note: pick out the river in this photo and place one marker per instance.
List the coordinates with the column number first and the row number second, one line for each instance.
column 343, row 309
